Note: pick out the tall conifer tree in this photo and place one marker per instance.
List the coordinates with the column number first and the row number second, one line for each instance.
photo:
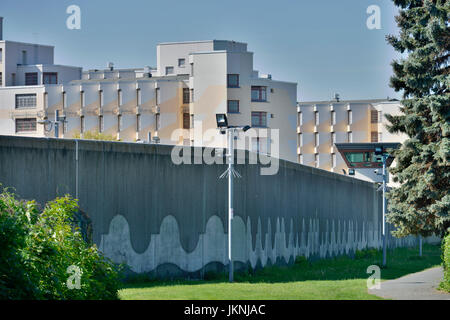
column 421, row 204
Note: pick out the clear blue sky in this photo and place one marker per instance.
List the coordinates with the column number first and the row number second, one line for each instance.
column 324, row 45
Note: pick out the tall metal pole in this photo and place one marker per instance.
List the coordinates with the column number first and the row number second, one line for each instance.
column 230, row 132
column 384, row 210
column 56, row 123
column 420, row 245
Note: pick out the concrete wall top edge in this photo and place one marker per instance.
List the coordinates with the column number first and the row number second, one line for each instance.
column 166, row 150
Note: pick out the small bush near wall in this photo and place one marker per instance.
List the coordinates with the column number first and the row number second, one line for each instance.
column 445, row 284
column 43, row 254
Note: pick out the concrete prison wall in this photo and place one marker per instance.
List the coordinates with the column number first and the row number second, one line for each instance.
column 166, row 219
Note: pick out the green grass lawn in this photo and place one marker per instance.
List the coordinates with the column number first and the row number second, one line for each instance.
column 338, row 278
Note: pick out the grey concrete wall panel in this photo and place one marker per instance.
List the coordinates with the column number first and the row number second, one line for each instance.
column 150, row 213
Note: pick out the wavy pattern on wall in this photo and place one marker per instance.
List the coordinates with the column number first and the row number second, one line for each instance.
column 338, row 237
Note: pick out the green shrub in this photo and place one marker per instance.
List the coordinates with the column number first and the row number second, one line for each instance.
column 445, row 284
column 366, row 253
column 301, row 260
column 38, row 247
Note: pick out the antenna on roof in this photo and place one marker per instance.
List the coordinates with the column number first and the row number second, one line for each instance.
column 336, row 97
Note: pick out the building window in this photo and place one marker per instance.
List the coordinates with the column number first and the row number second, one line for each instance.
column 233, row 81
column 186, row 121
column 1, row 55
column 83, row 100
column 157, row 122
column 138, row 122
column 333, row 118
column 119, row 97
column 157, row 96
column 100, row 98
column 45, row 100
column 50, row 78
column 82, row 124
column 13, row 79
column 233, row 106
column 316, row 139
column 24, row 57
column 259, row 119
column 119, row 123
column 192, row 95
column 300, row 118
column 138, row 97
column 333, row 138
column 192, row 121
column 26, row 100
column 316, row 160
column 349, row 117
column 64, row 99
column 300, row 138
column 373, row 116
column 374, row 136
column 380, row 137
column 350, row 137
column 1, row 79
column 31, row 79
column 26, row 125
column 380, row 117
column 333, row 160
column 181, row 63
column 259, row 94
column 192, row 69
column 100, row 124
column 169, row 70
column 301, row 159
column 186, row 96
column 316, row 118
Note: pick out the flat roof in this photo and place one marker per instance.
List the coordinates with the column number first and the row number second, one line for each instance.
column 347, row 101
column 367, row 145
column 26, row 43
column 197, row 41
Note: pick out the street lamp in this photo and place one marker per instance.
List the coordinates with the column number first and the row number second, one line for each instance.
column 384, row 156
column 222, row 124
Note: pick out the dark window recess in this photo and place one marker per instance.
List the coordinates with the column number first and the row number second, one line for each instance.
column 26, row 125
column 186, row 121
column 373, row 116
column 186, row 96
column 259, row 94
column 259, row 119
column 31, row 78
column 374, row 136
column 50, row 78
column 233, row 106
column 233, row 80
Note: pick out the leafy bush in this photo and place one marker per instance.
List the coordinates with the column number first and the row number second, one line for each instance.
column 95, row 135
column 38, row 250
column 366, row 253
column 301, row 260
column 445, row 284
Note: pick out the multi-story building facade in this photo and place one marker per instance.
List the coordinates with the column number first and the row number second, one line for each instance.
column 175, row 103
column 322, row 124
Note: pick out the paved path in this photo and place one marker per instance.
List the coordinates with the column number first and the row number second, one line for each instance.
column 416, row 286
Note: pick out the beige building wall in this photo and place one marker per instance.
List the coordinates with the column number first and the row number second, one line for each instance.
column 353, row 121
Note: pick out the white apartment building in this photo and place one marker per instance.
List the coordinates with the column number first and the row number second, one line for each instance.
column 192, row 82
column 322, row 124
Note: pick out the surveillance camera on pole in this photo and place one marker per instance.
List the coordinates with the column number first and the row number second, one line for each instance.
column 57, row 120
column 222, row 125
